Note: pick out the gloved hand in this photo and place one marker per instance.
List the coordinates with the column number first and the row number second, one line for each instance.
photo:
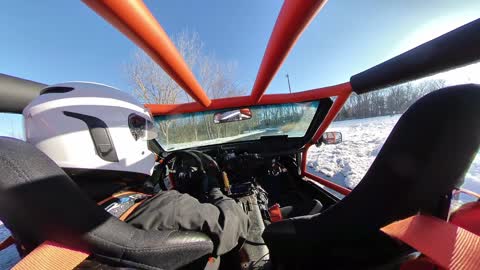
column 209, row 182
column 212, row 182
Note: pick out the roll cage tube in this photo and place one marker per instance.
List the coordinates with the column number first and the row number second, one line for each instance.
column 460, row 47
column 246, row 101
column 135, row 21
column 332, row 113
column 293, row 19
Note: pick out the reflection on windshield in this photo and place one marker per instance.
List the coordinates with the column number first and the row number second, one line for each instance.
column 198, row 129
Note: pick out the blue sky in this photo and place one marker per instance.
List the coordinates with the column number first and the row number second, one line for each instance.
column 58, row 41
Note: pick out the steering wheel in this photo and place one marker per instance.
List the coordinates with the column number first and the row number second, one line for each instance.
column 211, row 166
column 189, row 175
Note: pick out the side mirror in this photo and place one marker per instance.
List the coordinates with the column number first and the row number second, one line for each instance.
column 232, row 116
column 333, row 137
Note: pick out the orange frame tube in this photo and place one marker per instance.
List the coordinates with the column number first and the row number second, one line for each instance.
column 245, row 101
column 329, row 184
column 134, row 20
column 293, row 19
column 332, row 113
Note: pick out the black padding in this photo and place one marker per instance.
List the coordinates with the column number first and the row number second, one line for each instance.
column 39, row 202
column 454, row 49
column 100, row 135
column 16, row 93
column 426, row 155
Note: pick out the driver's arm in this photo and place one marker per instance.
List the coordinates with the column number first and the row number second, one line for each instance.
column 222, row 219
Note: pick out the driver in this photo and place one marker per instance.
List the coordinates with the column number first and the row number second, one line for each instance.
column 99, row 136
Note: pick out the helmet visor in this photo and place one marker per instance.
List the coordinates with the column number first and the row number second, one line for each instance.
column 142, row 128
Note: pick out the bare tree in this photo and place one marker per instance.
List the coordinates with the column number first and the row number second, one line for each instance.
column 152, row 85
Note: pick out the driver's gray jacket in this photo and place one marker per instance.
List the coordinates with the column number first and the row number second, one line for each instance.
column 222, row 219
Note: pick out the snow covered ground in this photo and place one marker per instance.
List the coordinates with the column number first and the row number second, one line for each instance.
column 347, row 162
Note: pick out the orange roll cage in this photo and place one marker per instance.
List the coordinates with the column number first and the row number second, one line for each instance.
column 133, row 18
column 293, row 19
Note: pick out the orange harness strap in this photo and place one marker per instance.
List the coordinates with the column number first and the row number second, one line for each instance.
column 117, row 195
column 446, row 244
column 53, row 256
column 125, row 215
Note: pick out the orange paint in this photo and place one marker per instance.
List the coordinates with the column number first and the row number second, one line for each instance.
column 342, row 96
column 51, row 255
column 245, row 101
column 447, row 245
column 332, row 113
column 320, row 180
column 293, row 19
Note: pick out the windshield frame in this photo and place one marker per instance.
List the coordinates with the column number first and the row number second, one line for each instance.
column 295, row 143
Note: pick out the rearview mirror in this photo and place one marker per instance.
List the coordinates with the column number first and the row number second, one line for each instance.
column 333, row 137
column 232, row 116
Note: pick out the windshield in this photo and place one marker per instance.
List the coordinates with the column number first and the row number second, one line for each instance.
column 199, row 129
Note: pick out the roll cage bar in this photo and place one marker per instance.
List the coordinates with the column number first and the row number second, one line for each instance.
column 456, row 48
column 131, row 17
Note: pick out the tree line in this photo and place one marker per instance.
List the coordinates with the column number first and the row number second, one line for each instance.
column 389, row 101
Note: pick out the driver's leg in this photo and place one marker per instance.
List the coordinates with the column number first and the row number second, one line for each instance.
column 222, row 219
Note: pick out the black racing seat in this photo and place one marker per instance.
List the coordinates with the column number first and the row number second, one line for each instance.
column 39, row 202
column 424, row 158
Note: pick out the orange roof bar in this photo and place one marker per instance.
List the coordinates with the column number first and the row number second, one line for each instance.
column 327, row 183
column 245, row 101
column 294, row 17
column 133, row 19
column 332, row 113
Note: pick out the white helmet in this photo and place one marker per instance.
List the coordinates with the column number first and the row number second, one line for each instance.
column 91, row 126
